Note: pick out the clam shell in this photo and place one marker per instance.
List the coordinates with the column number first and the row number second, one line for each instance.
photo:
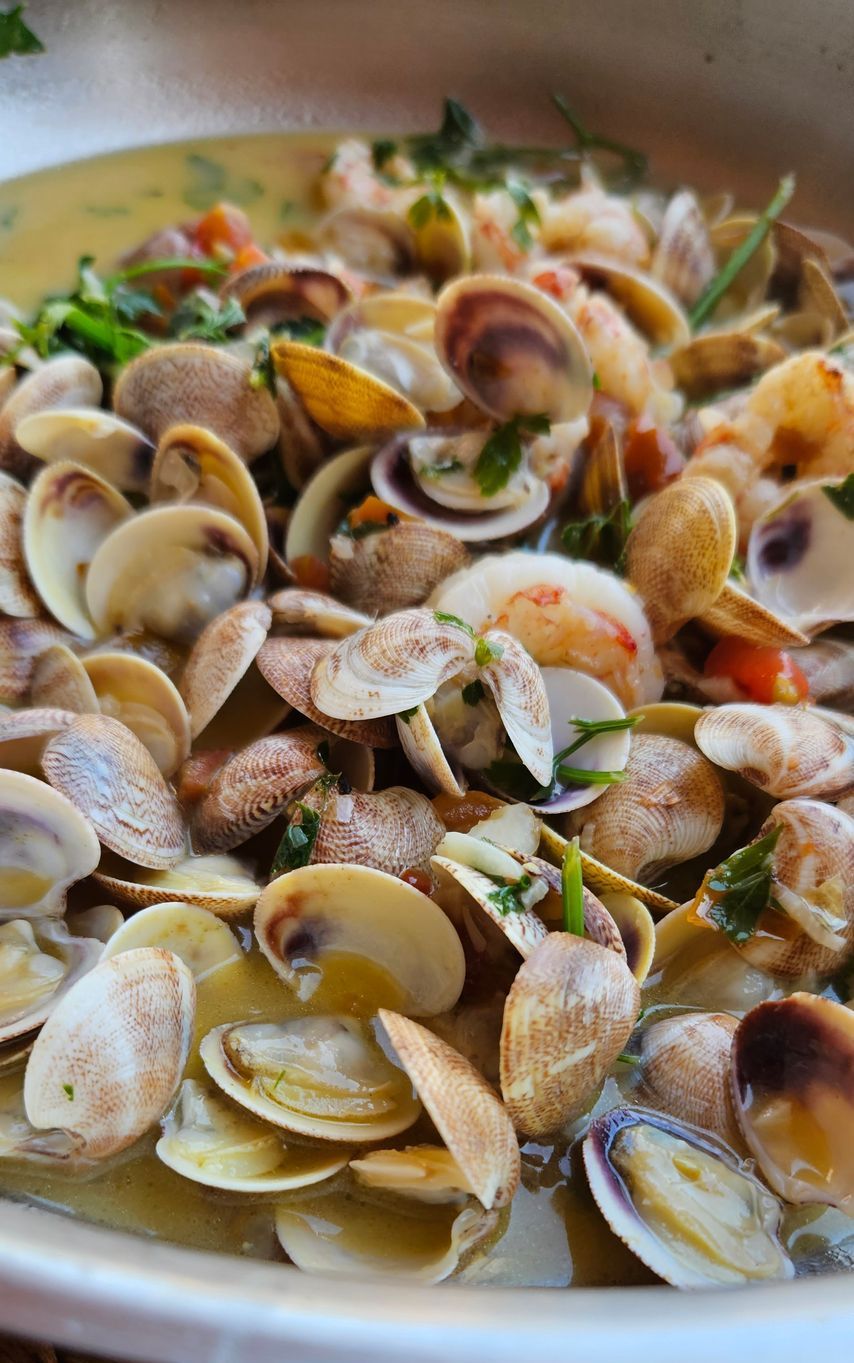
column 205, row 556
column 685, row 1064
column 193, row 465
column 24, row 734
column 817, row 295
column 572, row 695
column 720, row 360
column 443, row 242
column 392, row 829
column 45, row 846
column 603, row 476
column 599, row 877
column 67, row 380
column 21, row 643
column 70, row 512
column 396, row 568
column 647, row 302
column 100, row 441
column 218, row 883
column 287, row 666
column 792, row 1063
column 750, row 285
column 669, row 809
column 106, row 773
column 523, row 930
column 196, row 936
column 784, row 750
column 40, row 963
column 464, row 1109
column 275, row 292
column 569, row 1013
column 346, row 401
column 16, row 592
column 319, row 507
column 737, row 614
column 636, row 928
column 683, row 259
column 511, row 349
column 424, row 753
column 799, row 556
column 679, row 553
column 358, row 911
column 296, row 610
column 222, row 654
column 375, row 241
column 131, row 689
column 109, row 1059
column 302, row 445
column 203, row 385
column 60, row 681
column 391, row 336
column 209, row 1141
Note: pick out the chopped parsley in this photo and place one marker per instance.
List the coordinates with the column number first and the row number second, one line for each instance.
column 601, row 538
column 572, row 889
column 445, row 618
column 507, row 897
column 737, row 892
column 68, row 1090
column 205, row 317
column 486, row 651
column 263, row 373
column 473, row 693
column 439, row 470
column 717, row 287
column 502, row 453
column 406, row 715
column 431, row 206
column 297, row 842
column 842, row 496
column 528, row 215
column 16, row 39
column 210, row 183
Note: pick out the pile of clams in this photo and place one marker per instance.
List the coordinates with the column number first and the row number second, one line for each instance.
column 426, row 738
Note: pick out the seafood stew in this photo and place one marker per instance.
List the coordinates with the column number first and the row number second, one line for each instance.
column 427, row 755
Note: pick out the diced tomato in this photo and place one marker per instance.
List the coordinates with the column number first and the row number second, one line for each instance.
column 311, row 572
column 418, row 879
column 763, row 674
column 247, row 256
column 373, row 511
column 459, row 813
column 651, row 456
column 223, row 231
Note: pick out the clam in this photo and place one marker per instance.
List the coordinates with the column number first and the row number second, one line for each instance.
column 208, row 1140
column 669, row 809
column 218, row 883
column 682, row 1202
column 107, row 774
column 100, row 921
column 316, row 915
column 569, row 1013
column 799, row 554
column 679, row 553
column 320, row 505
column 25, row 733
column 828, row 665
column 194, row 465
column 696, row 968
column 205, row 556
column 750, row 285
column 346, row 401
column 70, row 512
column 220, row 657
column 322, row 1077
column 395, row 568
column 467, row 1114
column 511, row 349
column 390, row 336
column 21, row 644
column 738, row 614
column 817, row 296
column 574, row 695
column 198, row 938
column 60, row 682
column 393, row 829
column 67, row 380
column 302, row 445
column 720, row 360
column 287, row 666
column 600, row 878
column 426, row 1173
column 275, row 292
column 100, row 441
column 792, row 1067
column 648, row 303
column 16, row 592
column 602, row 485
column 425, row 754
column 683, row 259
column 375, row 241
column 482, row 871
column 131, row 689
column 109, row 1059
column 443, row 242
column 297, row 610
column 39, row 962
column 685, row 1064
column 784, row 750
column 636, row 927
column 810, row 931
column 187, row 382
column 45, row 846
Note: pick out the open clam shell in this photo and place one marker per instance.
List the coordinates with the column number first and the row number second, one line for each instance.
column 60, row 682
column 109, row 1059
column 21, row 643
column 390, row 336
column 682, row 1202
column 717, row 361
column 683, row 259
column 320, row 506
column 17, row 596
column 323, row 1077
column 70, row 512
column 131, row 689
column 750, row 285
column 107, row 774
column 195, row 935
column 648, row 303
column 356, row 911
column 685, row 1067
column 394, row 568
column 210, row 1141
column 793, row 1088
column 377, row 242
column 600, row 878
column 275, row 292
column 297, row 610
column 464, row 1109
column 524, row 930
column 24, row 735
column 799, row 556
column 511, row 349
column 737, row 614
column 574, row 695
column 45, row 846
column 287, row 665
column 203, row 385
column 220, row 657
column 66, row 380
column 787, row 751
column 206, row 557
column 218, row 883
column 98, row 440
column 425, row 754
column 39, row 962
column 346, row 401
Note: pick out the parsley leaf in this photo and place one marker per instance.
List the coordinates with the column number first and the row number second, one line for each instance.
column 68, row 1090
column 431, row 205
column 635, row 162
column 717, row 287
column 297, row 842
column 507, row 898
column 528, row 215
column 406, row 715
column 307, row 330
column 473, row 693
column 205, row 317
column 444, row 618
column 502, row 454
column 486, row 652
column 16, row 39
column 439, row 470
column 263, row 374
column 572, row 889
column 737, row 892
column 842, row 496
column 600, row 538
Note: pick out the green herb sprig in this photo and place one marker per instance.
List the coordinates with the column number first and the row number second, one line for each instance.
column 16, row 39
column 507, row 897
column 717, row 287
column 572, row 889
column 842, row 497
column 297, row 841
column 635, row 162
column 601, row 538
column 740, row 888
column 203, row 317
column 501, row 455
column 511, row 777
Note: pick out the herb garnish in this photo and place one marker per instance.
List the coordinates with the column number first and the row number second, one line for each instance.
column 529, row 215
column 16, row 39
column 439, row 470
column 485, row 650
column 635, row 162
column 473, row 693
column 68, row 1090
column 263, row 374
column 715, row 290
column 205, row 317
column 737, row 568
column 211, row 183
column 572, row 889
column 502, row 454
column 511, row 777
column 737, row 892
column 601, row 538
column 445, row 618
column 431, row 205
column 842, row 496
column 406, row 715
column 297, row 842
column 507, row 898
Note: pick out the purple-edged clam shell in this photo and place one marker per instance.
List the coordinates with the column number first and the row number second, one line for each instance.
column 574, row 694
column 392, row 480
column 800, row 556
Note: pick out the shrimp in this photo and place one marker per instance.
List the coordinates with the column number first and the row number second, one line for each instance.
column 350, row 180
column 621, row 358
column 801, row 414
column 566, row 614
column 494, row 248
column 721, row 457
column 589, row 219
